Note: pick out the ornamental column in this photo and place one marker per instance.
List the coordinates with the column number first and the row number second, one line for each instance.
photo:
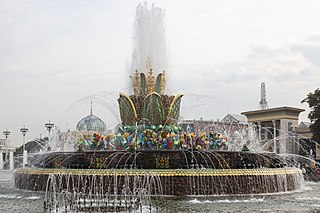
column 1, row 160
column 259, row 126
column 274, row 136
column 11, row 162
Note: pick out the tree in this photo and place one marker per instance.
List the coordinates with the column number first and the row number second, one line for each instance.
column 313, row 99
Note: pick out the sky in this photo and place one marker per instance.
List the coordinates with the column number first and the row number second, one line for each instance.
column 58, row 56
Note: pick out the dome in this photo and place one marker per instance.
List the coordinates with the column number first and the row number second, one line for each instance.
column 91, row 123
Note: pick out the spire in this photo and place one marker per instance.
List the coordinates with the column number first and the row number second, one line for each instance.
column 91, row 109
column 263, row 104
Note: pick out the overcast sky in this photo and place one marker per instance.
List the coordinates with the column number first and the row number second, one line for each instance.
column 54, row 54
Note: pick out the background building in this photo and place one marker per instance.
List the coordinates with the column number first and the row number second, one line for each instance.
column 232, row 126
column 275, row 125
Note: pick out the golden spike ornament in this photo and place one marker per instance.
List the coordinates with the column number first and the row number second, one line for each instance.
column 150, row 82
column 137, row 82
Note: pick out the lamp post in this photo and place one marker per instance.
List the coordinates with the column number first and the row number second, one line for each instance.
column 24, row 131
column 49, row 126
column 6, row 134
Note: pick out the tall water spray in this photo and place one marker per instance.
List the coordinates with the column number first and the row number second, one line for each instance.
column 149, row 41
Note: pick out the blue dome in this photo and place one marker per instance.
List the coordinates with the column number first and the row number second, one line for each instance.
column 91, row 123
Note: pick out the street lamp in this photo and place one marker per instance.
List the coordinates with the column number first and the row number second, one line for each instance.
column 24, row 131
column 49, row 126
column 6, row 134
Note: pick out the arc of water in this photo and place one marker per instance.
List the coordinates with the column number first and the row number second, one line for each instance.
column 213, row 166
column 202, row 158
column 69, row 158
column 134, row 159
column 185, row 157
column 112, row 159
column 124, row 154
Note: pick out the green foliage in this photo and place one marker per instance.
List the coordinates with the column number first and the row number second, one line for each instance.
column 126, row 110
column 158, row 84
column 153, row 109
column 313, row 99
column 143, row 84
column 174, row 112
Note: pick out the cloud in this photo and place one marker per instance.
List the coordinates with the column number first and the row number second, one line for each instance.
column 291, row 70
column 294, row 61
column 314, row 37
column 309, row 48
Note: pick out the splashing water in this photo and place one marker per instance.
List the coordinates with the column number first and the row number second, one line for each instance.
column 98, row 193
column 149, row 39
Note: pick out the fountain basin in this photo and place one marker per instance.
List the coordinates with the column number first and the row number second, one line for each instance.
column 156, row 159
column 178, row 182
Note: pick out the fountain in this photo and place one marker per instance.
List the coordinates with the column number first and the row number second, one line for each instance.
column 150, row 155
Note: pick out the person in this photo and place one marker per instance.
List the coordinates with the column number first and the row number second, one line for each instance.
column 311, row 153
column 318, row 170
column 304, row 171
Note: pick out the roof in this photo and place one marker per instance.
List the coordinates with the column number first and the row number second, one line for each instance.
column 271, row 114
column 305, row 124
column 229, row 118
column 91, row 123
column 286, row 108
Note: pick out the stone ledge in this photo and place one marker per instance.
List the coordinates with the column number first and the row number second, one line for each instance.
column 161, row 172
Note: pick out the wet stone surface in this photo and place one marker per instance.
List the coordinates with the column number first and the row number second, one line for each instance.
column 305, row 200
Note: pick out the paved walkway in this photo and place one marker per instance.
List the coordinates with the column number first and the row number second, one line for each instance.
column 5, row 175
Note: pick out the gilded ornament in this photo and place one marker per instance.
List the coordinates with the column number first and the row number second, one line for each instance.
column 162, row 162
column 150, row 82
